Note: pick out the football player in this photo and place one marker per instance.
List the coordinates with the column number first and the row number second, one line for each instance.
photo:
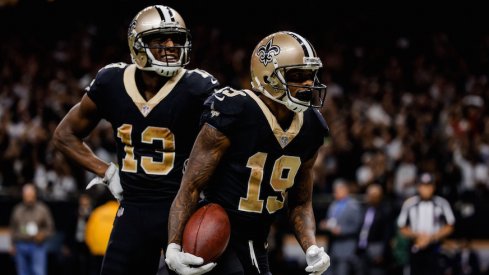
column 253, row 155
column 154, row 106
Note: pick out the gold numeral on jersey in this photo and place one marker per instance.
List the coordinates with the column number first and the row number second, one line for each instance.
column 230, row 92
column 129, row 163
column 252, row 202
column 149, row 135
column 202, row 73
column 168, row 154
column 284, row 171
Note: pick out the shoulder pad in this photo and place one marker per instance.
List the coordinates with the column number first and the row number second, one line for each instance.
column 227, row 101
column 201, row 81
column 105, row 74
column 113, row 67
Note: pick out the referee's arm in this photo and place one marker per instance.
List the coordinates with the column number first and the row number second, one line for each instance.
column 445, row 231
column 420, row 240
column 403, row 221
column 448, row 228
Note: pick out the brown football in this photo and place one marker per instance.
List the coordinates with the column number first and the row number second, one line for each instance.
column 207, row 232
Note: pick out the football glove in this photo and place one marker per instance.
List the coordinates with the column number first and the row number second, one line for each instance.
column 111, row 179
column 317, row 260
column 185, row 263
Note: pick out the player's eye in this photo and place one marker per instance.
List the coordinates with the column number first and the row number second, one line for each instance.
column 299, row 75
column 160, row 40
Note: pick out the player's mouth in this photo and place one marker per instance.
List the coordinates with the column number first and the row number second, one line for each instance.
column 169, row 58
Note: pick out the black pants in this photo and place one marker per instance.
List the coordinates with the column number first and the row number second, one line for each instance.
column 137, row 238
column 426, row 261
column 236, row 260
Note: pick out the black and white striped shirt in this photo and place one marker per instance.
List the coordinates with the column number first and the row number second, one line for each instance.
column 425, row 216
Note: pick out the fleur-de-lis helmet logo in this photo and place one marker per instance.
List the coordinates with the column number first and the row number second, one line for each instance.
column 267, row 52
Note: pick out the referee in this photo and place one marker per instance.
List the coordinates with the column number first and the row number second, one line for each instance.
column 425, row 219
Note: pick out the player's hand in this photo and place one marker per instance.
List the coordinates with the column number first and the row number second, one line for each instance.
column 185, row 263
column 111, row 179
column 317, row 260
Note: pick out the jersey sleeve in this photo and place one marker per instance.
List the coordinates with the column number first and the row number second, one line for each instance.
column 319, row 131
column 223, row 109
column 447, row 211
column 97, row 90
column 203, row 83
column 322, row 122
column 403, row 218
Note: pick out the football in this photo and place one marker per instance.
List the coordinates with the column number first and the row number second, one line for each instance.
column 207, row 232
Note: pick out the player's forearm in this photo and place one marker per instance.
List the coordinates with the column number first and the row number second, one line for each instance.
column 185, row 203
column 182, row 208
column 76, row 125
column 301, row 214
column 304, row 225
column 75, row 149
column 208, row 149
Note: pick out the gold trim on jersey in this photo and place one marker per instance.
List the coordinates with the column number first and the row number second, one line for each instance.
column 283, row 137
column 144, row 106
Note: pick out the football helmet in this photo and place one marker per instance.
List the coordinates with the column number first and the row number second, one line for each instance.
column 157, row 21
column 272, row 61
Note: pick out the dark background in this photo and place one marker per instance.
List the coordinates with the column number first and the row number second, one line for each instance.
column 36, row 29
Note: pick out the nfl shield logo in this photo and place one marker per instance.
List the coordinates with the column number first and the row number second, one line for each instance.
column 284, row 140
column 145, row 110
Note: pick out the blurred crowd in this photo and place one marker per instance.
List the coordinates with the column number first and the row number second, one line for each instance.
column 398, row 102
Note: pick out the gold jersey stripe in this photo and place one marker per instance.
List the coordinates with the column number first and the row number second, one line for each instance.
column 144, row 106
column 283, row 137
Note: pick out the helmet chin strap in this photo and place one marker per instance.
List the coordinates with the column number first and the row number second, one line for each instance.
column 161, row 71
column 294, row 106
column 284, row 99
column 261, row 89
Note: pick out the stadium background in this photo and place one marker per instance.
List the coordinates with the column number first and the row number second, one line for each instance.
column 426, row 65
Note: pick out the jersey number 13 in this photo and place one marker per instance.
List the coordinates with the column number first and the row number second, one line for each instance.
column 149, row 135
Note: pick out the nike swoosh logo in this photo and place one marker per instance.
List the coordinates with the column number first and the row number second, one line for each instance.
column 219, row 98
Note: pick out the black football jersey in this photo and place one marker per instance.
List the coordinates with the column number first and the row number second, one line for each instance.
column 155, row 137
column 262, row 162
